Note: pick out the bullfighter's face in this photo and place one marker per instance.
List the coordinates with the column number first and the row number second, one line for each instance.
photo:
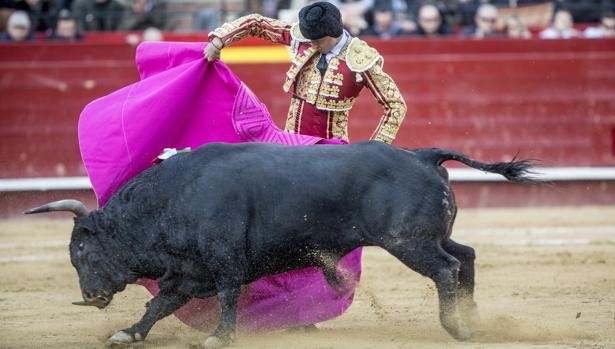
column 325, row 44
column 100, row 277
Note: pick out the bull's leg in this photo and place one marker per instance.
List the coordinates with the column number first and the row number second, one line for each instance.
column 159, row 307
column 331, row 277
column 225, row 332
column 467, row 306
column 327, row 262
column 430, row 260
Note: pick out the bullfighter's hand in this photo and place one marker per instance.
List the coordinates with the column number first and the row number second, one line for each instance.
column 212, row 51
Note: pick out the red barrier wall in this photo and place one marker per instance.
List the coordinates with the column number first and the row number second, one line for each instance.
column 553, row 100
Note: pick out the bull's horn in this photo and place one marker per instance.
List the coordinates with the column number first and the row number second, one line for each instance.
column 74, row 206
column 84, row 303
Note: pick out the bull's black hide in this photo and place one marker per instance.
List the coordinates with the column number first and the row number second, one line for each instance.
column 206, row 222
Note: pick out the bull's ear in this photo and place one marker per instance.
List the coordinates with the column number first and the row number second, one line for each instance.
column 85, row 223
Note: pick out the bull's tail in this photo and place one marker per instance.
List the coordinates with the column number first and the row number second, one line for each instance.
column 515, row 170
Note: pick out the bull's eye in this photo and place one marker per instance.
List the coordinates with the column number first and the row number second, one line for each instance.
column 80, row 249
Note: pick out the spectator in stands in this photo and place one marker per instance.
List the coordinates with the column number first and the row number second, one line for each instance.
column 153, row 34
column 98, row 15
column 561, row 27
column 485, row 23
column 65, row 4
column 207, row 18
column 42, row 13
column 353, row 14
column 143, row 14
column 149, row 34
column 606, row 28
column 403, row 10
column 6, row 9
column 465, row 9
column 515, row 28
column 585, row 11
column 385, row 25
column 17, row 28
column 431, row 22
column 66, row 28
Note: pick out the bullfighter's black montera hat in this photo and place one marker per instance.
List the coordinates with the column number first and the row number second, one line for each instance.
column 320, row 19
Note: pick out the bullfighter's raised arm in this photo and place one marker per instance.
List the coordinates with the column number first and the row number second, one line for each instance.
column 254, row 25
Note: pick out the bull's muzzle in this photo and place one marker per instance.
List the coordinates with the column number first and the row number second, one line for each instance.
column 98, row 301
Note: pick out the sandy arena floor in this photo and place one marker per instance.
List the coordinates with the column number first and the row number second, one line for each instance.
column 545, row 279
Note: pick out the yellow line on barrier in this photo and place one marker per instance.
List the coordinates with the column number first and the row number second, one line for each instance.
column 255, row 54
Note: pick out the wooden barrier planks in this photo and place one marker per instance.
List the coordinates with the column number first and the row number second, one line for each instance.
column 553, row 100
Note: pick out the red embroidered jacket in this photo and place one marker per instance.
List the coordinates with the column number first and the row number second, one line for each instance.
column 320, row 104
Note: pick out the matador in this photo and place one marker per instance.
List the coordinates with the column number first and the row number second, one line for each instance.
column 329, row 68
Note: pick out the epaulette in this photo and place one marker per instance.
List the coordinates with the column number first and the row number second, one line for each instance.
column 360, row 56
column 295, row 33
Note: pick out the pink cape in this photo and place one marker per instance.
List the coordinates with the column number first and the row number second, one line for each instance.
column 184, row 101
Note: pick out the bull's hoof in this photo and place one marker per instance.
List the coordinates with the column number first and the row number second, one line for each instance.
column 303, row 328
column 213, row 342
column 457, row 328
column 125, row 337
column 463, row 333
column 471, row 316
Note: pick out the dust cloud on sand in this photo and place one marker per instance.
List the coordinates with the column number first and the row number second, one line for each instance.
column 545, row 278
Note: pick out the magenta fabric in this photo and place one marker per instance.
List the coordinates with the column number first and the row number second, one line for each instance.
column 184, row 101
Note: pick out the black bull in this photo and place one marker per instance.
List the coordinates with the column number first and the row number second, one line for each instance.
column 207, row 222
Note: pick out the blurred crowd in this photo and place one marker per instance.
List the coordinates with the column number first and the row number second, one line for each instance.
column 70, row 20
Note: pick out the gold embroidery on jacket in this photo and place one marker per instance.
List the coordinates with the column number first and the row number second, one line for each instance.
column 296, row 34
column 360, row 56
column 340, row 125
column 297, row 64
column 328, row 97
column 294, row 116
column 334, row 105
column 323, row 92
column 308, row 82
